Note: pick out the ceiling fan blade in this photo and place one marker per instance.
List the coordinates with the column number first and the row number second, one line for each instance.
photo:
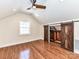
column 34, row 1
column 36, row 5
column 39, row 6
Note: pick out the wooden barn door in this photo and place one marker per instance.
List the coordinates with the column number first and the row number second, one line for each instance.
column 67, row 36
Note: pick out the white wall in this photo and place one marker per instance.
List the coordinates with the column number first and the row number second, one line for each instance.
column 9, row 30
column 76, row 37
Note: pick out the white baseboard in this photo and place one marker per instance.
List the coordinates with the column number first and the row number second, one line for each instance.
column 10, row 43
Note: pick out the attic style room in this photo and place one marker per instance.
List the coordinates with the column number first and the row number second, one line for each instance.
column 39, row 29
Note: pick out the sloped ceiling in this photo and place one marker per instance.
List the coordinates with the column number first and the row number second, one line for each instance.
column 9, row 7
column 6, row 7
column 60, row 11
column 55, row 11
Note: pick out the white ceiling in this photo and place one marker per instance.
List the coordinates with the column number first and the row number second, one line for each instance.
column 60, row 11
column 55, row 11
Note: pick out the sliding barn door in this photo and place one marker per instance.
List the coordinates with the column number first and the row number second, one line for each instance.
column 67, row 36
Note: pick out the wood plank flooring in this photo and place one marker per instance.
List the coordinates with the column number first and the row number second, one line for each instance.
column 36, row 50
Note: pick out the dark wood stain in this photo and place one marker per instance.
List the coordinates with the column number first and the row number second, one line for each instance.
column 67, row 35
column 55, row 35
column 45, row 32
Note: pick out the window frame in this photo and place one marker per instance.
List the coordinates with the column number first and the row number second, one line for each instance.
column 22, row 27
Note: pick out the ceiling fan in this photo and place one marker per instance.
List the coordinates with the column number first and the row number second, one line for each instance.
column 34, row 4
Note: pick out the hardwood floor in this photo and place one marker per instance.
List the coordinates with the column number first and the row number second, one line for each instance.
column 36, row 50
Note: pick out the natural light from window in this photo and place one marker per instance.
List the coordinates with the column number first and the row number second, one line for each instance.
column 25, row 54
column 24, row 27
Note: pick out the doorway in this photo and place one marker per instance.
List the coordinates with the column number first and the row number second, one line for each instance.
column 55, row 33
column 60, row 34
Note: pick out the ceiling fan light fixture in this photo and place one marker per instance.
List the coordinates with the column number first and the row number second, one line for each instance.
column 34, row 6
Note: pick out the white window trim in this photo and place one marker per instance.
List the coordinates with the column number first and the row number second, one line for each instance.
column 26, row 25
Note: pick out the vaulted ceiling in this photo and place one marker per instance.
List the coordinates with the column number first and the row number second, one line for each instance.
column 56, row 10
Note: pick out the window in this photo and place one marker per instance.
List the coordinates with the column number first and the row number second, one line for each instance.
column 24, row 27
